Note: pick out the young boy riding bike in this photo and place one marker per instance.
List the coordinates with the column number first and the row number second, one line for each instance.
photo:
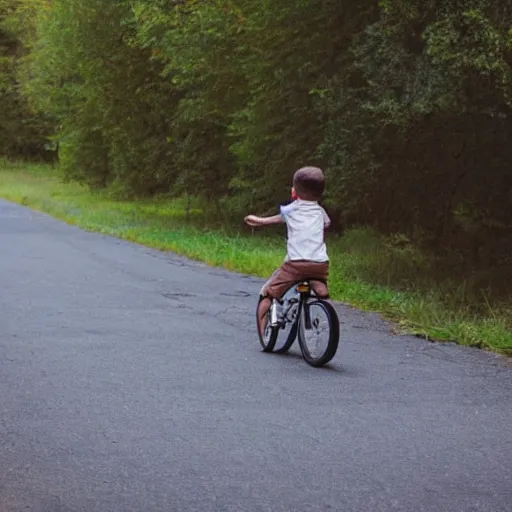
column 306, row 255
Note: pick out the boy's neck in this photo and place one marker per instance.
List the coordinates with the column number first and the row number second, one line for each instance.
column 306, row 200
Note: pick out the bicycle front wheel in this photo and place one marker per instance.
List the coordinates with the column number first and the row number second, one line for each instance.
column 319, row 332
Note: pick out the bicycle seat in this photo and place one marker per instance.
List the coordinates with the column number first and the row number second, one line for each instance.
column 319, row 286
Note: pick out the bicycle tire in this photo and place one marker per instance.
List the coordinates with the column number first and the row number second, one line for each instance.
column 334, row 334
column 290, row 340
column 269, row 343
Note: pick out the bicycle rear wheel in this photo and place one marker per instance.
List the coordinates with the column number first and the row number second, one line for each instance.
column 269, row 335
column 319, row 332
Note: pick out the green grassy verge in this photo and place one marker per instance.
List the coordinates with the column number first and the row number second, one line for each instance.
column 439, row 312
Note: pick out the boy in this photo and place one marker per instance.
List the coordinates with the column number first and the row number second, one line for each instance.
column 306, row 255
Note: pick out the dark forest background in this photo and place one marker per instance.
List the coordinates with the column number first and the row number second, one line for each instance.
column 405, row 103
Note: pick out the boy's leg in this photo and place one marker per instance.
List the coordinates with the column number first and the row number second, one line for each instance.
column 265, row 302
column 278, row 284
column 321, row 289
column 263, row 308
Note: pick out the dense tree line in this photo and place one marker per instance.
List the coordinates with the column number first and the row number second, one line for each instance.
column 23, row 132
column 405, row 103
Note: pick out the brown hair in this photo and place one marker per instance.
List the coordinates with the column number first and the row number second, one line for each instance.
column 309, row 183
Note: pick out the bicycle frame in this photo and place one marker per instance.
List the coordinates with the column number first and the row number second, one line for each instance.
column 304, row 289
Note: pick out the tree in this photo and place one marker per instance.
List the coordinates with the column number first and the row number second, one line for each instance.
column 108, row 95
column 417, row 128
column 22, row 132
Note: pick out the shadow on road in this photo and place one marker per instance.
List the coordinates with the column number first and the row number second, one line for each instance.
column 329, row 367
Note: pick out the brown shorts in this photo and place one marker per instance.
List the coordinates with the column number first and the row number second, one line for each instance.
column 290, row 273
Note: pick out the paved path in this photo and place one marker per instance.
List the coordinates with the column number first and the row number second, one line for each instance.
column 132, row 380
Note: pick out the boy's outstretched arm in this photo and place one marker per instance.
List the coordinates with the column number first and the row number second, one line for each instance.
column 255, row 221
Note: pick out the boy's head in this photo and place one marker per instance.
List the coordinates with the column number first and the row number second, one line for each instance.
column 309, row 183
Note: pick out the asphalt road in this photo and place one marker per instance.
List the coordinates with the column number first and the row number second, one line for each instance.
column 132, row 380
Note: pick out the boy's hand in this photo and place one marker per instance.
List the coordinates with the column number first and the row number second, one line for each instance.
column 252, row 220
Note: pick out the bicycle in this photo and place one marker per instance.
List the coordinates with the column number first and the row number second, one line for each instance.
column 303, row 315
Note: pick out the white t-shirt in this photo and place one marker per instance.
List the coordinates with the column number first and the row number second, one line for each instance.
column 306, row 221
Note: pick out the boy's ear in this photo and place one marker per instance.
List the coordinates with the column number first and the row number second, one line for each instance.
column 294, row 194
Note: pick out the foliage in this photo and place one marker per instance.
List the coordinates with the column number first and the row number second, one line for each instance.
column 106, row 92
column 22, row 132
column 428, row 98
column 406, row 103
column 195, row 42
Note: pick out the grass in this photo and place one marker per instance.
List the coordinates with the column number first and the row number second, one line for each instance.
column 365, row 271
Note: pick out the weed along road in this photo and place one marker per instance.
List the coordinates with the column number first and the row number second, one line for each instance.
column 132, row 380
